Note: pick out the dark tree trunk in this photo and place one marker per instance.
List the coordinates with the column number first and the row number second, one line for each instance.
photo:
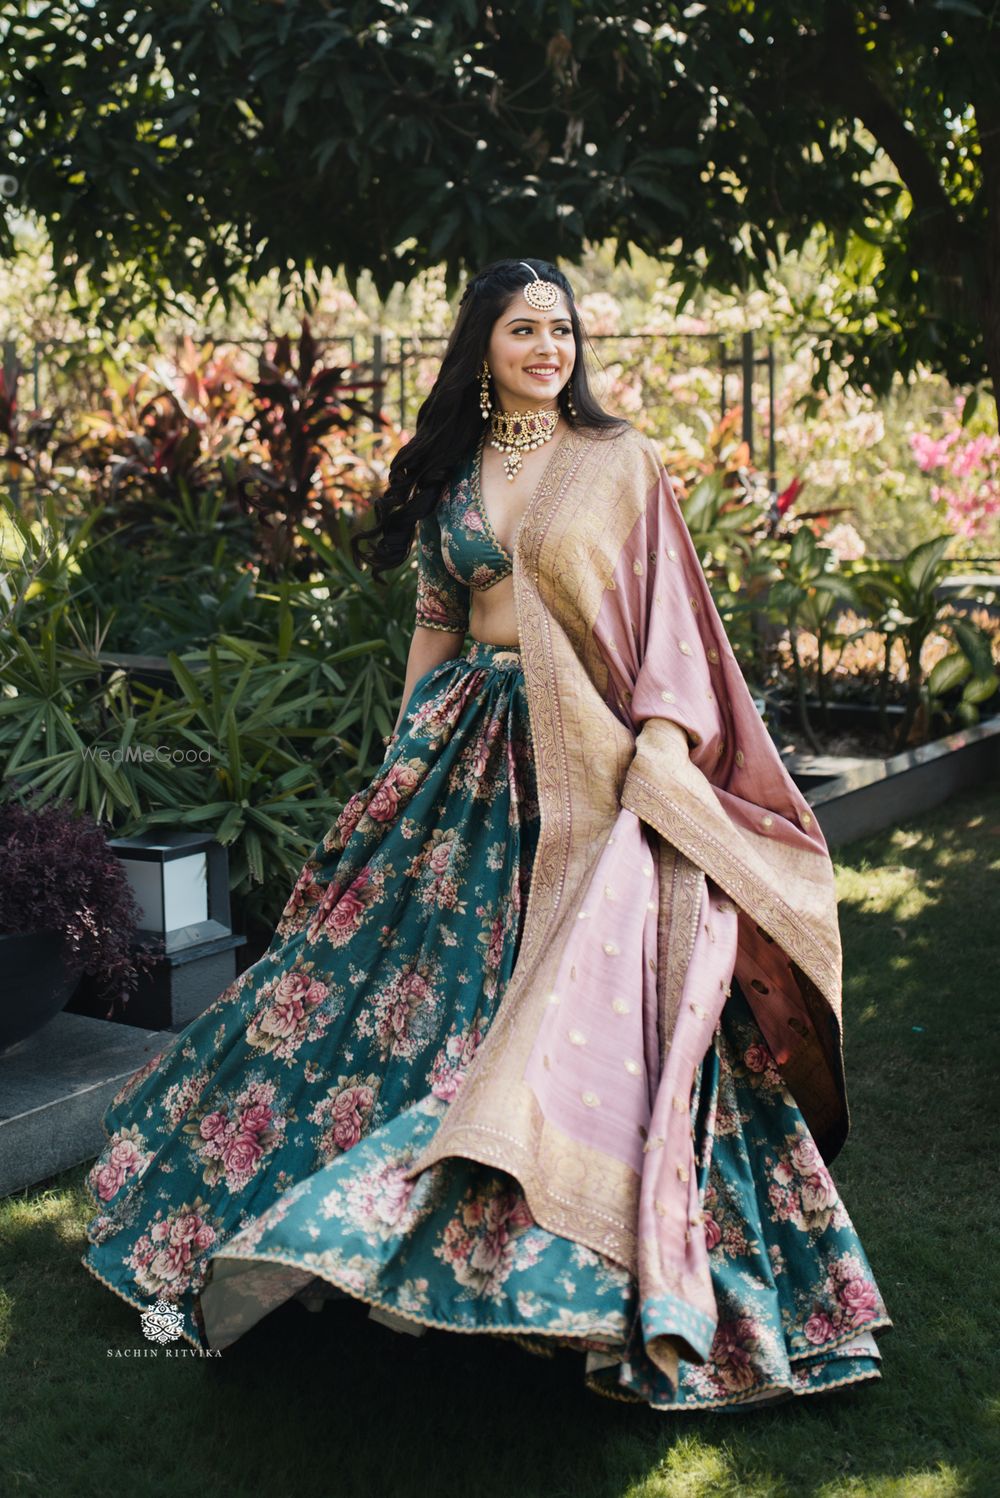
column 988, row 120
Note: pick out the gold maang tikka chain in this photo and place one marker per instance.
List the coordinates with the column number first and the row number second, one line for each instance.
column 515, row 433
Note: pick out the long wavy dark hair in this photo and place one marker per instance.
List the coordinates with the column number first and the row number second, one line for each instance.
column 449, row 423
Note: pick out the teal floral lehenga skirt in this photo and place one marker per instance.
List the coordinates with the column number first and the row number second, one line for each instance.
column 261, row 1156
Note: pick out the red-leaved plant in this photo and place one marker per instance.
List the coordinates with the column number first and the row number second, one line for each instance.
column 57, row 873
column 300, row 407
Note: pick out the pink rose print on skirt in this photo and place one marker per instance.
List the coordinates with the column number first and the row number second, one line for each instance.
column 395, row 790
column 343, row 828
column 180, row 1097
column 438, row 857
column 480, row 770
column 762, row 1073
column 485, row 1241
column 846, row 1302
column 820, row 1328
column 850, row 1300
column 289, row 1014
column 378, row 1202
column 725, row 1229
column 493, row 939
column 124, row 1156
column 344, row 1114
column 341, row 912
column 713, row 1233
column 802, row 1190
column 379, row 803
column 436, row 867
column 447, row 1071
column 859, row 1300
column 231, row 1140
column 402, row 1015
column 734, row 1355
column 307, row 893
column 169, row 1257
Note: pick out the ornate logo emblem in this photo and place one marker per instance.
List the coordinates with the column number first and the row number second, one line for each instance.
column 161, row 1322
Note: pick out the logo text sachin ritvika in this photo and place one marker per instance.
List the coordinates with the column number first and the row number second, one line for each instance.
column 167, row 1352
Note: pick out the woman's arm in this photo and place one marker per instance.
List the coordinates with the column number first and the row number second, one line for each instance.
column 429, row 647
column 442, row 612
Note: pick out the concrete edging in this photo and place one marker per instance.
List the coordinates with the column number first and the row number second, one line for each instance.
column 55, row 1087
column 871, row 797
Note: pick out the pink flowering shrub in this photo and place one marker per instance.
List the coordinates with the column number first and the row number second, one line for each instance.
column 967, row 469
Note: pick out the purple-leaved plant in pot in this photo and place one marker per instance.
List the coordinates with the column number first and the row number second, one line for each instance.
column 66, row 908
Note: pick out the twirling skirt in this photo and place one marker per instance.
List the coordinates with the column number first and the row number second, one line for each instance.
column 261, row 1156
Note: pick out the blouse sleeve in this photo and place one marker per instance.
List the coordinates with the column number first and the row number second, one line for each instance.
column 442, row 601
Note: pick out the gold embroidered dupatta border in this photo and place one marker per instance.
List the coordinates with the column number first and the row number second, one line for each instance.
column 566, row 549
column 575, row 1191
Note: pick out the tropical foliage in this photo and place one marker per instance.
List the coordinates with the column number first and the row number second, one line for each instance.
column 187, row 642
column 258, row 736
column 187, row 639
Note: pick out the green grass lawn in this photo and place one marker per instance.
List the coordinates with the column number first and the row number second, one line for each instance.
column 332, row 1404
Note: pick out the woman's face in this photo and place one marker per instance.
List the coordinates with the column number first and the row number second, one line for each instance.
column 531, row 354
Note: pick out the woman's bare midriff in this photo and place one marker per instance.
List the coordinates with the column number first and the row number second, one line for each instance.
column 492, row 617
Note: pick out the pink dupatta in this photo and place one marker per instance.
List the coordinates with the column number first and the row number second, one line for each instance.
column 674, row 850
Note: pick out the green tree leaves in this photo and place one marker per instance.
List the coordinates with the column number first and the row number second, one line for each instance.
column 170, row 146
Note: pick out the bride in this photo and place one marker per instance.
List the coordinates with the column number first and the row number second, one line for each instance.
column 547, row 1042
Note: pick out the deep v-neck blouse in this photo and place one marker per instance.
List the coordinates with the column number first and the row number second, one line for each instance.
column 471, row 549
column 458, row 550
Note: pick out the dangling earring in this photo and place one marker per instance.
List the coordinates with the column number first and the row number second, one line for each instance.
column 485, row 404
column 569, row 403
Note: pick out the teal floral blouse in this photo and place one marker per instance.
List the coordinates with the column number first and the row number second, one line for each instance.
column 457, row 550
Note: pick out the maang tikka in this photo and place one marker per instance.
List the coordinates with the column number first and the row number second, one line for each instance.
column 542, row 295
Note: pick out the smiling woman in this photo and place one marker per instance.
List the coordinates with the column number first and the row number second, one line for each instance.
column 513, row 382
column 529, row 360
column 547, row 1041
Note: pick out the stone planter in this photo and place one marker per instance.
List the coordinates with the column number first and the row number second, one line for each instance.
column 869, row 795
column 842, row 714
column 37, row 984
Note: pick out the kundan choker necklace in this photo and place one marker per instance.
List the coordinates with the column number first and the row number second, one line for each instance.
column 514, row 433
